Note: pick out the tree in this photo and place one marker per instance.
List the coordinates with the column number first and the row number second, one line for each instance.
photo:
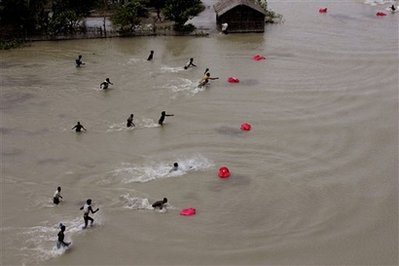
column 180, row 11
column 21, row 15
column 262, row 3
column 27, row 17
column 270, row 15
column 158, row 5
column 67, row 15
column 127, row 15
column 80, row 7
column 64, row 22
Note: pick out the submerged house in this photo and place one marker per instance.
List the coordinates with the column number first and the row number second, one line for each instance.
column 240, row 16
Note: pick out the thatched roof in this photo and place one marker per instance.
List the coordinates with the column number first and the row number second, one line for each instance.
column 225, row 5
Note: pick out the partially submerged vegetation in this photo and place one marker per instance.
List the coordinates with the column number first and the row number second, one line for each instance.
column 10, row 44
column 128, row 15
column 271, row 16
column 180, row 11
column 22, row 20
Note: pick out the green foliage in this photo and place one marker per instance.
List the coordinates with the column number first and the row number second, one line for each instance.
column 10, row 44
column 32, row 16
column 127, row 15
column 66, row 16
column 180, row 11
column 80, row 7
column 271, row 16
column 64, row 22
column 262, row 3
column 157, row 4
column 13, row 11
column 18, row 13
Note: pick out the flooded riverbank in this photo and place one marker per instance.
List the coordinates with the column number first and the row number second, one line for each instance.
column 314, row 182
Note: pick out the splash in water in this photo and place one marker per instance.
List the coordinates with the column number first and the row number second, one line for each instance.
column 135, row 173
column 184, row 87
column 168, row 69
column 41, row 240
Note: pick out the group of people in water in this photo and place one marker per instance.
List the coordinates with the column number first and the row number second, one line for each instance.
column 105, row 84
column 205, row 79
column 79, row 127
column 87, row 207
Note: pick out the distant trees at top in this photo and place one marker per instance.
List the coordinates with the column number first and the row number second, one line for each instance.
column 127, row 13
column 43, row 16
column 55, row 17
column 180, row 11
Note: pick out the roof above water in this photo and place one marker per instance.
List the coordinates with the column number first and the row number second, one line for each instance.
column 225, row 5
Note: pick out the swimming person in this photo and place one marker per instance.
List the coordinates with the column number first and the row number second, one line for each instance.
column 160, row 204
column 104, row 85
column 61, row 242
column 78, row 127
column 79, row 61
column 86, row 211
column 150, row 56
column 174, row 168
column 162, row 118
column 205, row 79
column 57, row 196
column 189, row 63
column 130, row 121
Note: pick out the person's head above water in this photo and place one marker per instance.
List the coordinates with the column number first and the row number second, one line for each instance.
column 163, row 113
column 175, row 165
column 165, row 200
column 58, row 188
column 107, row 79
column 88, row 201
column 80, row 56
column 62, row 227
column 78, row 123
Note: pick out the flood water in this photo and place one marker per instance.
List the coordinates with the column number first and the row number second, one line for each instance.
column 315, row 181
